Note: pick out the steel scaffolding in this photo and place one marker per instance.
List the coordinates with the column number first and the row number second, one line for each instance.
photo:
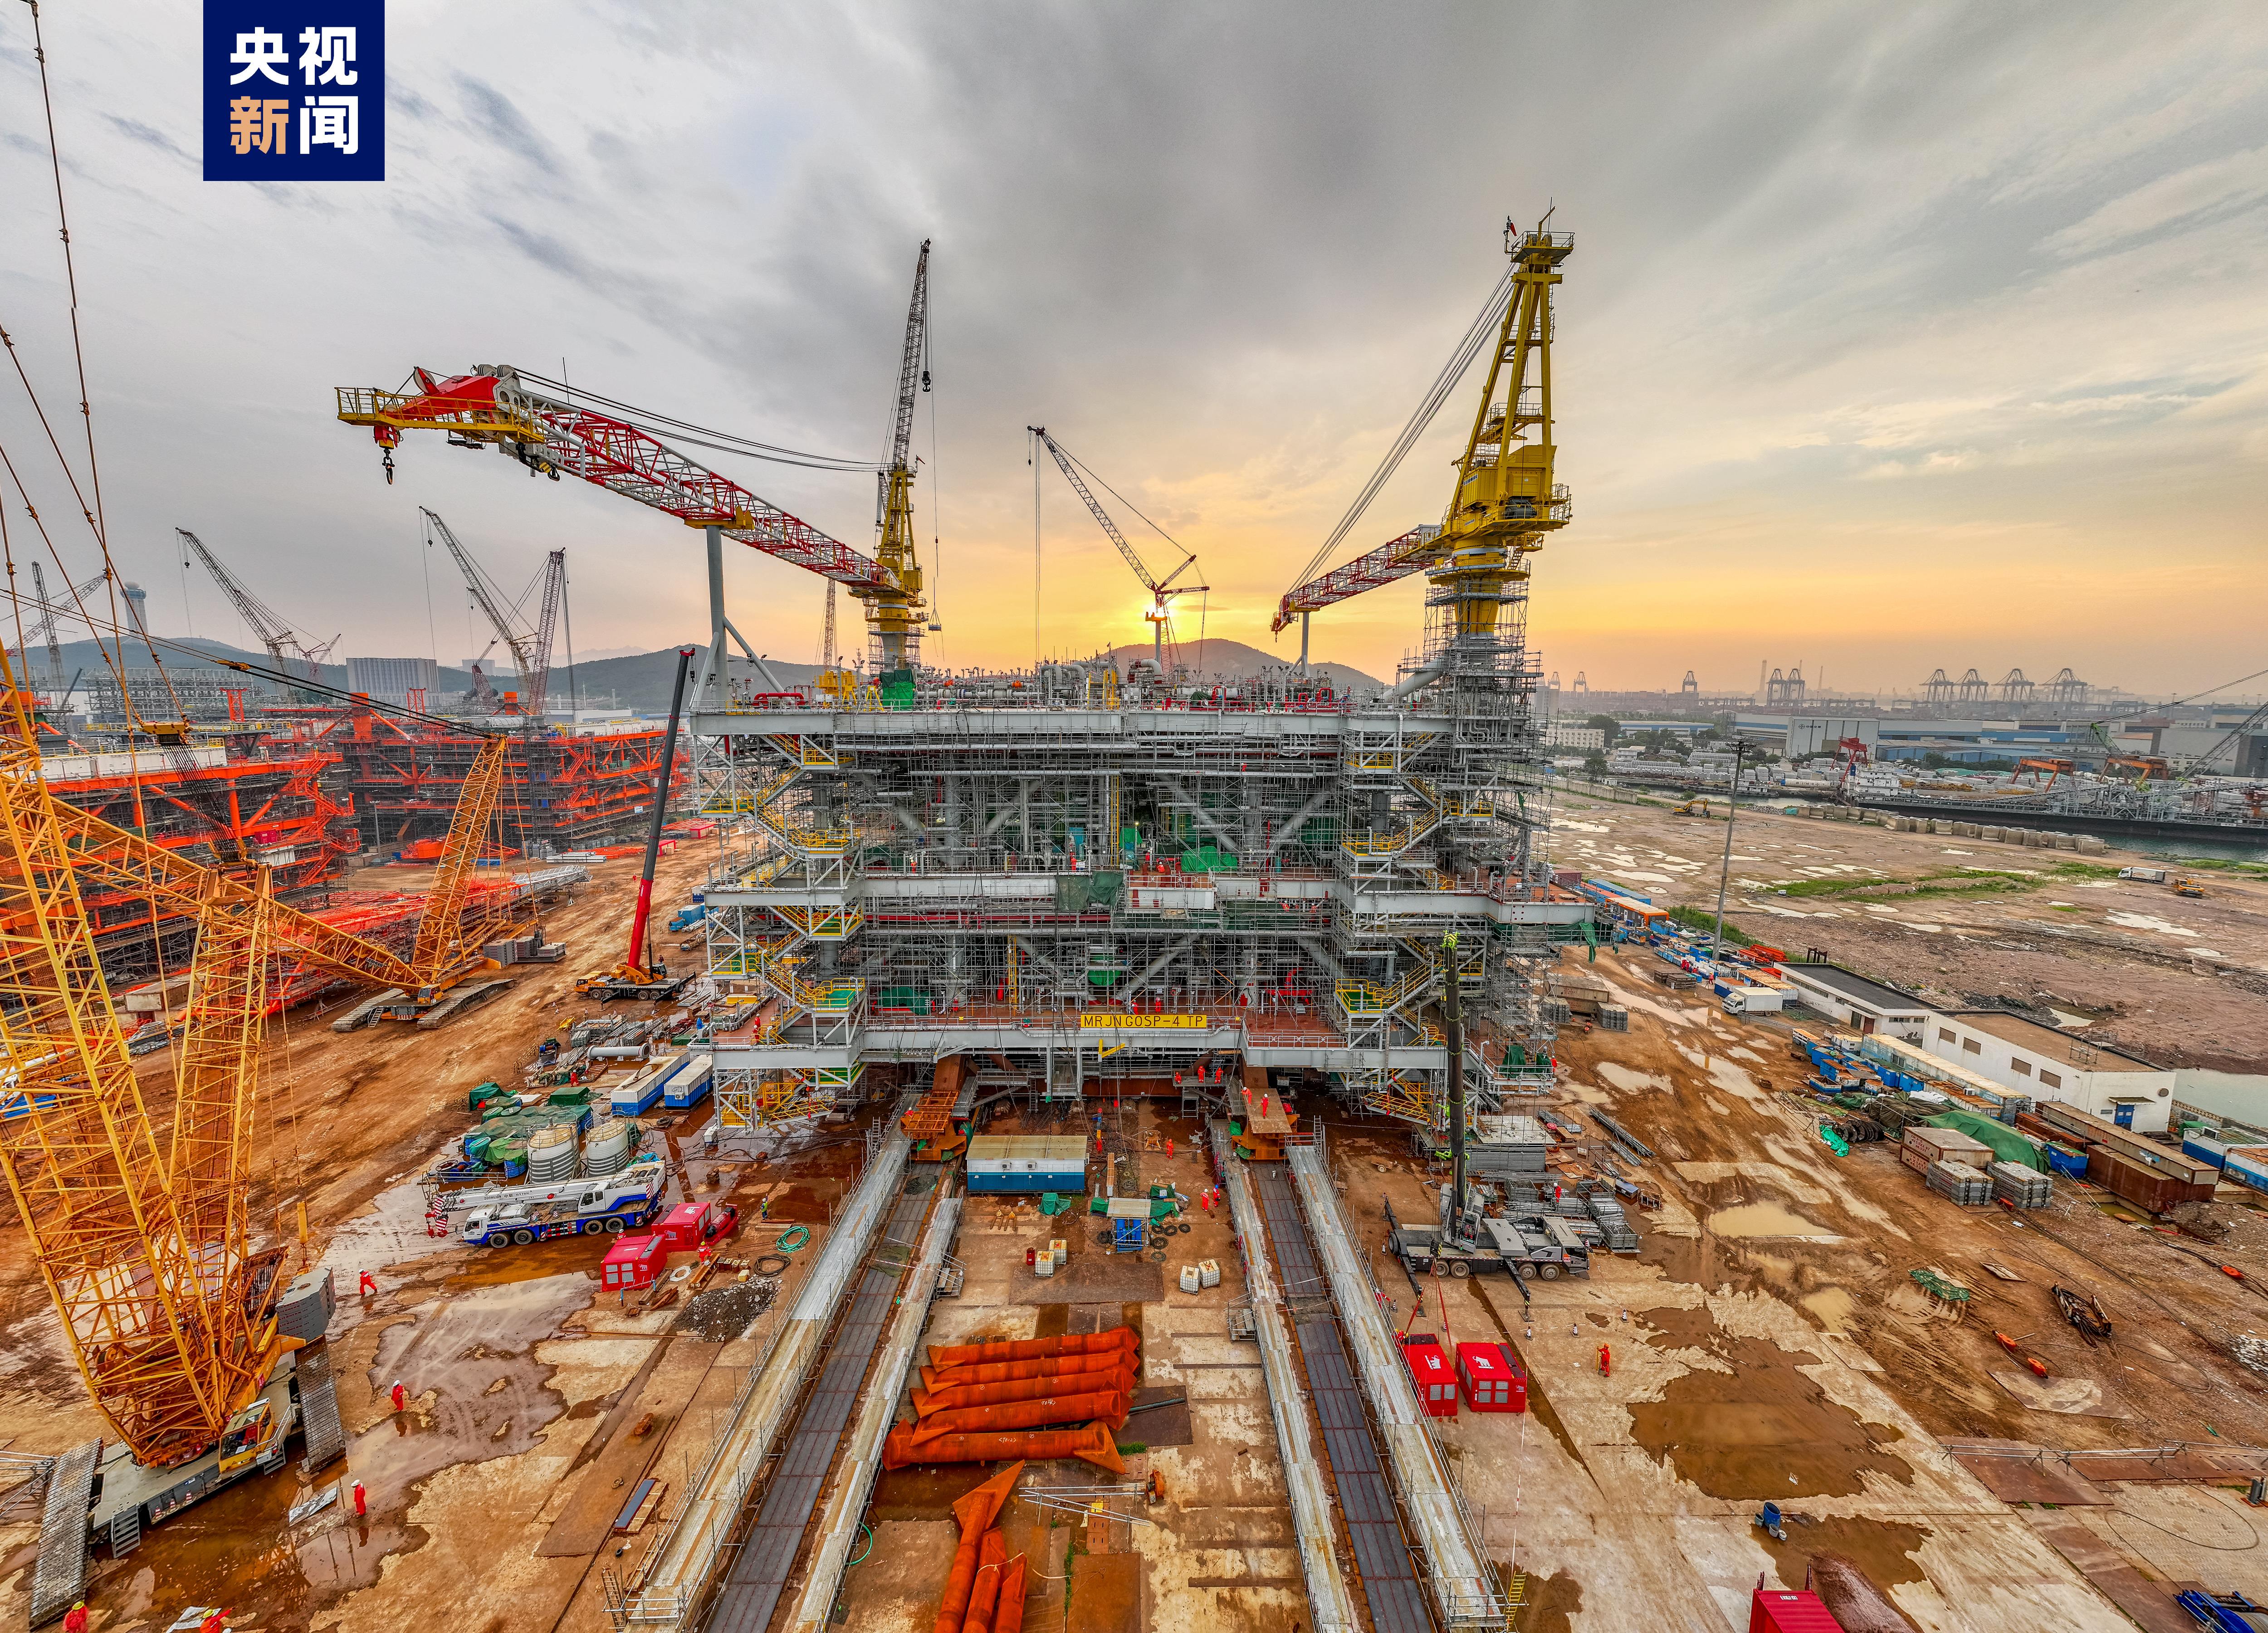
column 1095, row 875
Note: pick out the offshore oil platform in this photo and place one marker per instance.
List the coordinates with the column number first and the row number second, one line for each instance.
column 1097, row 877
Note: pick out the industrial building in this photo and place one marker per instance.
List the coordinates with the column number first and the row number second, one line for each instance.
column 408, row 681
column 2024, row 1056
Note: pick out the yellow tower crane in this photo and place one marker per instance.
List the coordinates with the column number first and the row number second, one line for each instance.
column 1506, row 498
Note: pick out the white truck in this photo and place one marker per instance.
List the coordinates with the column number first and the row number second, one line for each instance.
column 610, row 1207
column 586, row 1198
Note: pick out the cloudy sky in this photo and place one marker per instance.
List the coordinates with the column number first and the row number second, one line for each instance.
column 1894, row 337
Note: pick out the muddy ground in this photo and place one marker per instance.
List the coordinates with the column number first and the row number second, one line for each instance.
column 2181, row 982
column 510, row 1367
column 1768, row 1343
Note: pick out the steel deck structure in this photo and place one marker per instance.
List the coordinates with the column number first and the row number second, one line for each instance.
column 752, row 1589
column 1383, row 1559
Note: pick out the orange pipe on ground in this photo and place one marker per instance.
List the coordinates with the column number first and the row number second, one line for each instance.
column 975, row 1509
column 1008, row 1372
column 928, row 1402
column 1092, row 1444
column 1033, row 1349
column 1008, row 1614
column 985, row 1594
column 1056, row 1408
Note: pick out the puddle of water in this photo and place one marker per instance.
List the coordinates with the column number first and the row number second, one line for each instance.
column 1629, row 1079
column 478, row 1391
column 1761, row 1429
column 1763, row 1219
column 2148, row 921
column 1834, row 1308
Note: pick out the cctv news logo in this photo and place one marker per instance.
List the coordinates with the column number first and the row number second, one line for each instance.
column 295, row 90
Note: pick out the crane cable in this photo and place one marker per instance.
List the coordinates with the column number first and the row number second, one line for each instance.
column 96, row 520
column 703, row 435
column 1490, row 319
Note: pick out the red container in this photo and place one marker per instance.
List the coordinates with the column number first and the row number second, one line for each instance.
column 2152, row 1189
column 1429, row 1369
column 690, row 1224
column 633, row 1261
column 1491, row 1381
column 1789, row 1610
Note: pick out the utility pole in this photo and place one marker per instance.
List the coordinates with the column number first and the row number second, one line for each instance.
column 1452, row 1016
column 1724, row 870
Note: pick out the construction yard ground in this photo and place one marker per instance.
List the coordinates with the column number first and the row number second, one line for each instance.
column 1768, row 1342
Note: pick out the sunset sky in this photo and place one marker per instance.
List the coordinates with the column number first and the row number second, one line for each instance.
column 1893, row 338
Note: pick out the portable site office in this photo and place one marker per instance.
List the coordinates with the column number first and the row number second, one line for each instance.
column 1027, row 1162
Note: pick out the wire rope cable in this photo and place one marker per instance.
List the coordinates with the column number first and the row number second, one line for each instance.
column 1487, row 320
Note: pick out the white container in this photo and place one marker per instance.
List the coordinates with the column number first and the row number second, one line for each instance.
column 1045, row 1264
column 1189, row 1283
column 1209, row 1272
column 1059, row 1250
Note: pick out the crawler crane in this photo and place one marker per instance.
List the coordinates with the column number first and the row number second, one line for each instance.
column 1505, row 499
column 144, row 1245
column 532, row 420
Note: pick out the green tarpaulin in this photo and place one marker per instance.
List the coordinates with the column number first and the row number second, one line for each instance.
column 1076, row 893
column 2007, row 1144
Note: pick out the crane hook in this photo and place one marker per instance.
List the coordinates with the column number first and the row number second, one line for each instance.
column 387, row 460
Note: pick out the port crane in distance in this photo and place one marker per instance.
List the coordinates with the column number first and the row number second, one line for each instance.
column 1161, row 590
column 286, row 648
column 1505, row 499
column 43, row 628
column 529, row 644
column 535, row 423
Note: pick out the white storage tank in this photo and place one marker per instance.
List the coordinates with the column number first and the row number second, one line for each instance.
column 608, row 1148
column 552, row 1154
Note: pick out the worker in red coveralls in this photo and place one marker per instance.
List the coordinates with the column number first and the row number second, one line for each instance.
column 401, row 1395
column 369, row 1284
column 1606, row 1362
column 215, row 1622
column 361, row 1500
column 76, row 1621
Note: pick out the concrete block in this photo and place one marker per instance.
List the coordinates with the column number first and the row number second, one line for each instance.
column 2091, row 845
column 2066, row 841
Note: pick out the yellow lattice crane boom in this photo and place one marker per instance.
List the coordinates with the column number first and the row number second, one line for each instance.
column 442, row 951
column 126, row 1273
column 1506, row 497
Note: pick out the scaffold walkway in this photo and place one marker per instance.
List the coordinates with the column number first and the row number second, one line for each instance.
column 767, row 1556
column 1384, row 1562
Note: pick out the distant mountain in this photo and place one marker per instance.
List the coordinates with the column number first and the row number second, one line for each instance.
column 88, row 656
column 1235, row 658
column 642, row 681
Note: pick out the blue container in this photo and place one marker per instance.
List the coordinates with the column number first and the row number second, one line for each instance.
column 2064, row 1161
column 2247, row 1169
column 2205, row 1150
